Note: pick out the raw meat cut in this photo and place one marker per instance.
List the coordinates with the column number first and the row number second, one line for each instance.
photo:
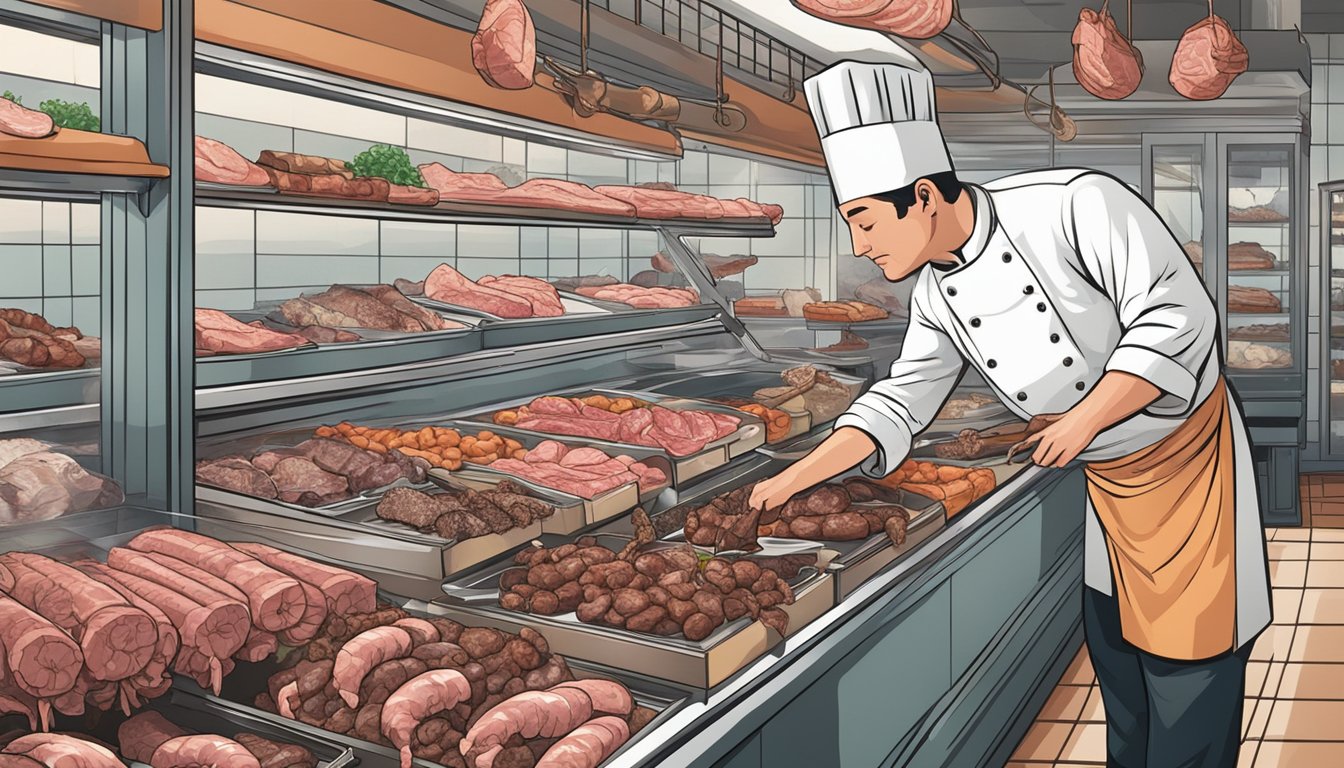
column 275, row 600
column 358, row 657
column 330, row 185
column 299, row 480
column 719, row 266
column 462, row 187
column 346, row 592
column 760, row 307
column 608, row 698
column 504, row 48
column 36, row 349
column 218, row 333
column 558, row 194
column 33, row 322
column 115, row 638
column 1208, row 58
column 57, row 750
column 664, row 204
column 449, row 286
column 1267, row 332
column 18, row 120
column 1248, row 256
column 1245, row 355
column 1105, row 63
column 292, row 162
column 365, row 310
column 218, row 163
column 151, row 739
column 44, row 485
column 540, row 294
column 320, row 334
column 1256, row 213
column 419, row 699
column 530, row 714
column 1252, row 300
column 641, row 297
column 588, row 745
column 915, row 19
column 586, row 281
column 20, row 446
column 234, row 473
column 407, row 195
column 843, row 311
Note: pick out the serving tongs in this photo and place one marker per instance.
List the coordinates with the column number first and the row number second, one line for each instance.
column 1034, row 428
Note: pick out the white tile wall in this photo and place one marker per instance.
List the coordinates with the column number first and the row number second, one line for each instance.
column 42, row 271
column 47, row 57
column 232, row 98
column 281, row 233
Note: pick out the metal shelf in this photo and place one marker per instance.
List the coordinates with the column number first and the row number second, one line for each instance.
column 47, row 390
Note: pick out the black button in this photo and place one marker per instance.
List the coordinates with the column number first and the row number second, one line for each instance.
column 992, row 363
column 951, row 291
column 1080, row 386
column 1030, row 289
column 1007, row 257
column 1068, row 361
column 1021, row 395
column 1040, row 306
column 975, row 322
column 1054, row 338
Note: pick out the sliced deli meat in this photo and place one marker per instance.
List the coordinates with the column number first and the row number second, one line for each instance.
column 18, row 120
column 452, row 287
column 504, row 48
column 916, row 19
column 218, row 163
column 564, row 195
column 664, row 204
column 641, row 297
column 218, row 333
column 462, row 187
column 1105, row 63
column 1208, row 58
column 541, row 294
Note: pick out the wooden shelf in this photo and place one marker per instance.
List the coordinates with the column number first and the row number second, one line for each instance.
column 77, row 161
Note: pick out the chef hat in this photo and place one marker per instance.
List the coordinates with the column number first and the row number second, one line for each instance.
column 878, row 127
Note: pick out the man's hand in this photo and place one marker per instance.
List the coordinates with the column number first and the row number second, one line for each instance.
column 1062, row 441
column 773, row 492
column 1115, row 398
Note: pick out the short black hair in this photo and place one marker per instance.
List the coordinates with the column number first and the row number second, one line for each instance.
column 949, row 186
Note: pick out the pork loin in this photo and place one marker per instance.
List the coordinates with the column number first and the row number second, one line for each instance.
column 916, row 19
column 504, row 48
column 1105, row 63
column 1208, row 58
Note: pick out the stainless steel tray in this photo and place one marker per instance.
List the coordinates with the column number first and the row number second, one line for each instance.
column 857, row 561
column 474, row 599
column 749, row 435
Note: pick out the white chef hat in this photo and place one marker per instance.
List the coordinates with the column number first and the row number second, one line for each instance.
column 878, row 127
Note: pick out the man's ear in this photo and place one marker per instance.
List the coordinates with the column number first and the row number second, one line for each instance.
column 926, row 196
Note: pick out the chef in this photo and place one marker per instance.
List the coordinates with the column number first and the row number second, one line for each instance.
column 1070, row 297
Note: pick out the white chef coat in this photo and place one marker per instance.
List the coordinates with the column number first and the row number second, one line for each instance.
column 1068, row 274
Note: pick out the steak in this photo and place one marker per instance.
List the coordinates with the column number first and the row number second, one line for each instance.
column 36, row 349
column 407, row 195
column 300, row 480
column 1208, row 58
column 303, row 311
column 311, row 165
column 18, row 120
column 1105, row 63
column 218, row 333
column 462, row 187
column 329, row 185
column 366, row 310
column 540, row 294
column 395, row 299
column 1248, row 256
column 504, row 48
column 641, row 297
column 234, row 473
column 218, row 163
column 1252, row 300
column 452, row 287
column 915, row 19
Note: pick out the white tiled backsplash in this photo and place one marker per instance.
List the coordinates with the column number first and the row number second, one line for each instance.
column 50, row 259
column 287, row 252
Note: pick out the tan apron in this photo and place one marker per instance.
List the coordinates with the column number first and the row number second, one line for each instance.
column 1169, row 513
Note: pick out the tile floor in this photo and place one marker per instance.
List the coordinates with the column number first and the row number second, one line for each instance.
column 1294, row 716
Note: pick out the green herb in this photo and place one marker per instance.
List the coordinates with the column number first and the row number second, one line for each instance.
column 387, row 162
column 10, row 95
column 68, row 114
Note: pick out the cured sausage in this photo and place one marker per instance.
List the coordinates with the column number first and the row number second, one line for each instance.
column 364, row 652
column 421, row 631
column 531, row 714
column 588, row 745
column 275, row 599
column 419, row 699
column 314, row 614
column 116, row 638
column 346, row 592
column 287, row 699
column 56, row 750
column 608, row 697
column 43, row 660
column 153, row 680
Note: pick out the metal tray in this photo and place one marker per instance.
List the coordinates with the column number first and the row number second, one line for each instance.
column 749, row 435
column 475, row 599
column 855, row 562
column 573, row 304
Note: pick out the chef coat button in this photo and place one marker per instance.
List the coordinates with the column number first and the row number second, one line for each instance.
column 1080, row 386
column 1007, row 257
column 1054, row 338
column 1021, row 395
column 992, row 363
column 975, row 322
column 1040, row 306
column 1030, row 289
column 1068, row 361
column 951, row 290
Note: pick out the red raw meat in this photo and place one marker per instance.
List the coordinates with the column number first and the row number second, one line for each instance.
column 584, row 457
column 663, row 203
column 593, row 413
column 575, row 425
column 588, row 745
column 634, row 423
column 1105, row 63
column 404, row 195
column 672, row 423
column 725, row 425
column 422, row 697
column 218, row 333
column 1208, row 58
column 504, row 48
column 915, row 19
column 58, row 750
column 18, row 120
column 540, row 294
column 346, row 592
column 702, row 426
column 546, row 452
column 555, row 406
column 641, row 297
column 452, row 287
column 462, row 187
column 562, row 478
column 218, row 163
column 566, row 196
column 649, row 477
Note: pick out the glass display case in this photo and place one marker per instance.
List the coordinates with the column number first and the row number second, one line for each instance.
column 1332, row 243
column 1178, row 195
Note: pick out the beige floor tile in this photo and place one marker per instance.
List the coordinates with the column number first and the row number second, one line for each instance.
column 1274, row 643
column 1094, row 711
column 1302, row 754
column 1327, row 550
column 1312, row 681
column 1273, row 679
column 1087, row 743
column 1292, row 534
column 1071, row 764
column 1080, row 671
column 1322, row 642
column 1259, row 718
column 1288, row 573
column 1322, row 606
column 1043, row 742
column 1327, row 534
column 1305, row 721
column 1255, row 678
column 1286, row 605
column 1325, row 573
column 1066, row 703
column 1246, row 755
column 1287, row 550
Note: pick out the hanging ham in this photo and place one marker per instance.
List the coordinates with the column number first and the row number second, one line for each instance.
column 915, row 19
column 1208, row 58
column 504, row 48
column 1105, row 63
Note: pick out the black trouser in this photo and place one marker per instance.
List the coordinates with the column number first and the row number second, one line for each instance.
column 1162, row 713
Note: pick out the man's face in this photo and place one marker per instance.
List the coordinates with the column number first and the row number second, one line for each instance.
column 899, row 245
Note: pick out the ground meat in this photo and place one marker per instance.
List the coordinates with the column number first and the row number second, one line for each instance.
column 480, row 642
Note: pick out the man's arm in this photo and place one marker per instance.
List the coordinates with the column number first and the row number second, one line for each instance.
column 841, row 452
column 1115, row 398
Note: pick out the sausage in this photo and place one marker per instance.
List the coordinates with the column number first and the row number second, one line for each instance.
column 364, row 652
column 421, row 631
column 203, row 751
column 57, row 750
column 275, row 599
column 155, row 673
column 116, row 638
column 346, row 592
column 259, row 645
column 608, row 697
column 43, row 661
column 310, row 623
column 588, row 745
column 845, row 526
column 424, row 696
column 530, row 715
column 288, row 699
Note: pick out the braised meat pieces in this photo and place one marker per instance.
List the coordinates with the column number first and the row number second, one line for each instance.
column 466, row 514
column 314, row 473
column 832, row 512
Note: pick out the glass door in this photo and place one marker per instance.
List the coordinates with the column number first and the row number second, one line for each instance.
column 1177, row 194
column 1332, row 226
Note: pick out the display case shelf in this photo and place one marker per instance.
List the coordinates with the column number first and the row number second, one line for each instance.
column 77, row 161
